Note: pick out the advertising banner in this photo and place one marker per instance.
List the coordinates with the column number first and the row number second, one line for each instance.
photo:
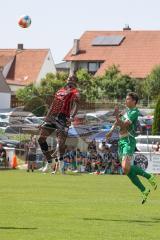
column 149, row 161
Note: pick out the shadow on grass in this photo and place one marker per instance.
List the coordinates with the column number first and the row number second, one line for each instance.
column 153, row 220
column 19, row 228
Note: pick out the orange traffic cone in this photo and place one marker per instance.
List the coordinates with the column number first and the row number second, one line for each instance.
column 14, row 161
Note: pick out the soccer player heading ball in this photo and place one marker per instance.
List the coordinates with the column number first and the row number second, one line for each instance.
column 126, row 147
column 63, row 109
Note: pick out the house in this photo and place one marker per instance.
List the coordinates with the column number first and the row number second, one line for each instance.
column 135, row 52
column 5, row 92
column 22, row 67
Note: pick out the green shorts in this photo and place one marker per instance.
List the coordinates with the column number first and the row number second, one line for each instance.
column 126, row 146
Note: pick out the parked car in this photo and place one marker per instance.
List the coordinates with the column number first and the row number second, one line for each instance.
column 3, row 125
column 36, row 121
column 18, row 121
column 4, row 117
column 101, row 116
column 7, row 142
column 93, row 118
column 145, row 124
column 22, row 128
column 146, row 111
column 14, row 116
column 146, row 143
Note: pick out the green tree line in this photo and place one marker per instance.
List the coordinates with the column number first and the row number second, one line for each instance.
column 112, row 85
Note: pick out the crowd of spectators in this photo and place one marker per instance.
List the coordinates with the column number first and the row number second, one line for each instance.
column 100, row 158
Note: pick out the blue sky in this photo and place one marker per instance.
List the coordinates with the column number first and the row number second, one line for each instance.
column 56, row 23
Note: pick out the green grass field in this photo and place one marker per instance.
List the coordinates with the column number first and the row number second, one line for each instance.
column 35, row 206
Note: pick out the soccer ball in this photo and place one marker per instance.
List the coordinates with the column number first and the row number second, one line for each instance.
column 24, row 21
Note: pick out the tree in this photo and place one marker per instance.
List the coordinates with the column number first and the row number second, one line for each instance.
column 115, row 84
column 36, row 97
column 156, row 121
column 50, row 84
column 124, row 85
column 139, row 87
column 27, row 93
column 85, row 84
column 37, row 106
column 152, row 83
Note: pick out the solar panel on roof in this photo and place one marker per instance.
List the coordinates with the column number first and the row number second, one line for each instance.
column 107, row 40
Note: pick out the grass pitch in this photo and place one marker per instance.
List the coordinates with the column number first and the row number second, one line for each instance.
column 34, row 206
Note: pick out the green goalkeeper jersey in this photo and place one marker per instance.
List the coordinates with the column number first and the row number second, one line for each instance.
column 131, row 114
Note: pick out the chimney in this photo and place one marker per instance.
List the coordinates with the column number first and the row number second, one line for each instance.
column 20, row 46
column 75, row 48
column 126, row 27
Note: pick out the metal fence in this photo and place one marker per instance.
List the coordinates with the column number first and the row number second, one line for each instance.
column 101, row 104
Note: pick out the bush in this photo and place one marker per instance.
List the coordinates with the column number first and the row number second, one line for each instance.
column 156, row 122
column 36, row 106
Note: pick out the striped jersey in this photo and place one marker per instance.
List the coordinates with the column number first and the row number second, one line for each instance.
column 63, row 101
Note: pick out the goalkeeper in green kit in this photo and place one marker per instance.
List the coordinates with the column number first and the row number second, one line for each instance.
column 127, row 123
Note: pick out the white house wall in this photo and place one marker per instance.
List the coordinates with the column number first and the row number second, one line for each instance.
column 14, row 88
column 47, row 67
column 5, row 100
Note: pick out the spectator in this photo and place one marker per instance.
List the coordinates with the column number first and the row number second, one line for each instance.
column 102, row 146
column 108, row 161
column 3, row 156
column 92, row 146
column 116, row 166
column 156, row 148
column 31, row 157
column 73, row 158
column 79, row 157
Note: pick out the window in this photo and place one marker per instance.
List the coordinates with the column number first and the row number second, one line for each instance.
column 93, row 67
column 150, row 140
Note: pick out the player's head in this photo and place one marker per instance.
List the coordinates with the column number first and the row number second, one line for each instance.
column 131, row 99
column 72, row 81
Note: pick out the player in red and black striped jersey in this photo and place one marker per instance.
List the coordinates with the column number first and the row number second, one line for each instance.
column 61, row 113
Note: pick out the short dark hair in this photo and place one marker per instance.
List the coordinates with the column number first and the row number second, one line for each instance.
column 134, row 96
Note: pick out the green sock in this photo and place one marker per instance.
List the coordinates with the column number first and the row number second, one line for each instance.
column 135, row 180
column 139, row 171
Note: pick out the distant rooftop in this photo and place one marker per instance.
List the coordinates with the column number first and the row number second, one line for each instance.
column 65, row 65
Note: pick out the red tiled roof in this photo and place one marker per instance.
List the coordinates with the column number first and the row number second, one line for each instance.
column 26, row 65
column 136, row 55
column 5, row 59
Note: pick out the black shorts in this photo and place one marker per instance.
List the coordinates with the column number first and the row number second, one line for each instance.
column 31, row 157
